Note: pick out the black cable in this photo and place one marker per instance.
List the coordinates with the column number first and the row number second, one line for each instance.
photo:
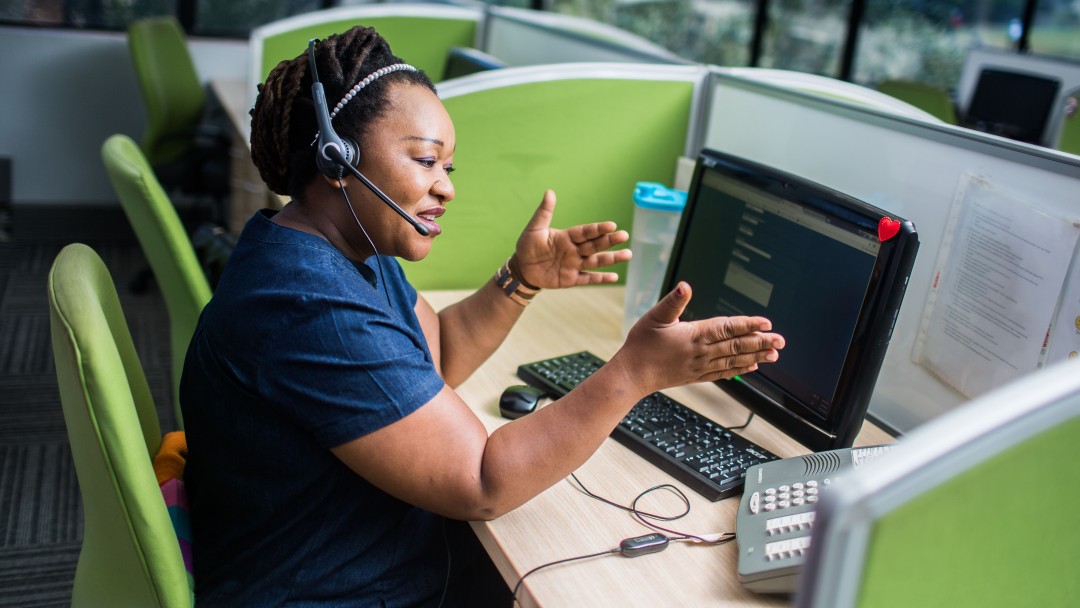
column 743, row 425
column 378, row 260
column 643, row 516
column 521, row 580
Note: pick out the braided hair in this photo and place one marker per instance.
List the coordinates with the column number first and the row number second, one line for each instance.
column 283, row 122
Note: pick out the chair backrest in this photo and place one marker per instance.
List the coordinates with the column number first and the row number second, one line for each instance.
column 421, row 34
column 1069, row 138
column 130, row 555
column 588, row 131
column 167, row 247
column 933, row 100
column 969, row 510
column 174, row 95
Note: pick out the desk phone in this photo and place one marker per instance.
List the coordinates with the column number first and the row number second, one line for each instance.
column 776, row 513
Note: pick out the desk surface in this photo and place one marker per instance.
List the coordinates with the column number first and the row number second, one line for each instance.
column 562, row 522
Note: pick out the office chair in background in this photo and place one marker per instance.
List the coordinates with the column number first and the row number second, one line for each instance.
column 130, row 553
column 167, row 247
column 189, row 154
column 971, row 509
column 932, row 100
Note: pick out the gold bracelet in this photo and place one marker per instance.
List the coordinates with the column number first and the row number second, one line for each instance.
column 512, row 286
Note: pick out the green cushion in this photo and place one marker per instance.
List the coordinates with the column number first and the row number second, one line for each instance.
column 130, row 555
column 170, row 85
column 589, row 139
column 165, row 244
column 423, row 42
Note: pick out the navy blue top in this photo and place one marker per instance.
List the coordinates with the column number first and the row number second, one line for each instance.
column 296, row 353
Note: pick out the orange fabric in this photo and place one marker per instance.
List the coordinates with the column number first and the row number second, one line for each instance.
column 171, row 457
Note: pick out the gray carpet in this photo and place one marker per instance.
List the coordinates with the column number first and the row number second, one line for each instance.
column 40, row 510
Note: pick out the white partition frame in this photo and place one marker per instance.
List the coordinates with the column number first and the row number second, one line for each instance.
column 357, row 12
column 909, row 167
column 523, row 37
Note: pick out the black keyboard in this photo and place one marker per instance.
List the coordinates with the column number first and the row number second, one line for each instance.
column 702, row 454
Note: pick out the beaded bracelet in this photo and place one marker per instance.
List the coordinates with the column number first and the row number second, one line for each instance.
column 512, row 286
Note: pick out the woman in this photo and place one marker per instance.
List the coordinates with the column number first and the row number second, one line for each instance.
column 331, row 461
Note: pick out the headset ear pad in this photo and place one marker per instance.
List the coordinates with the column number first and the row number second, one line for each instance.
column 330, row 168
column 352, row 151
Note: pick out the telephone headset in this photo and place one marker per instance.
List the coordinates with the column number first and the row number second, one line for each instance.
column 336, row 154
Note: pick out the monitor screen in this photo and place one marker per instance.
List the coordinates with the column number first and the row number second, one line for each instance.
column 828, row 270
column 463, row 61
column 1012, row 104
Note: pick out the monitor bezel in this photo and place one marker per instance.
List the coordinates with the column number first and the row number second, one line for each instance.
column 873, row 328
column 981, row 93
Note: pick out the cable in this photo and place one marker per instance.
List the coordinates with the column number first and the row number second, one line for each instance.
column 643, row 516
column 378, row 260
column 743, row 425
column 521, row 580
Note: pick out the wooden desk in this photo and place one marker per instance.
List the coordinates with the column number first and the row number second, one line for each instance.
column 562, row 522
column 247, row 192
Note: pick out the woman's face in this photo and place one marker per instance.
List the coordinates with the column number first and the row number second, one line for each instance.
column 408, row 154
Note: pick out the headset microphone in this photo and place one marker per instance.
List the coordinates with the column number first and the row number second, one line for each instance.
column 336, row 154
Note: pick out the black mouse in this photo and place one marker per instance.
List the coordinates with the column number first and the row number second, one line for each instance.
column 518, row 400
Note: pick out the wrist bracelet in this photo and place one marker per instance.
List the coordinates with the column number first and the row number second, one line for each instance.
column 513, row 286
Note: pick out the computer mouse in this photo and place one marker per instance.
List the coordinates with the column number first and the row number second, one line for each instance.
column 518, row 400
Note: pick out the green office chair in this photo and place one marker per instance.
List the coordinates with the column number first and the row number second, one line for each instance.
column 165, row 244
column 1069, row 140
column 971, row 509
column 932, row 100
column 188, row 155
column 130, row 555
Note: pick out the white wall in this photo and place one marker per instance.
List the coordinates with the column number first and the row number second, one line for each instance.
column 64, row 92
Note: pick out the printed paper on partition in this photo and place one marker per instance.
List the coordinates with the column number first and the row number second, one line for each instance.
column 995, row 289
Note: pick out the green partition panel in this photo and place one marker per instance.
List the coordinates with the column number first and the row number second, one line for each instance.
column 424, row 42
column 1070, row 126
column 589, row 139
column 944, row 548
column 933, row 100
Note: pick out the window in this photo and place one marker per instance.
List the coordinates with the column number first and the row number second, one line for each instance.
column 805, row 35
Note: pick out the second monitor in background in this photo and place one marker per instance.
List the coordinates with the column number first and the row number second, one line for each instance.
column 463, row 61
column 1012, row 104
column 830, row 272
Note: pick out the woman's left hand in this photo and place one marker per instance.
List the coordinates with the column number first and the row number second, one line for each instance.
column 549, row 258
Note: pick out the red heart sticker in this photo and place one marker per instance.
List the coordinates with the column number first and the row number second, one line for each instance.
column 887, row 228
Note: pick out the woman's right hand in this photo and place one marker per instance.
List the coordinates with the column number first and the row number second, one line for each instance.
column 663, row 352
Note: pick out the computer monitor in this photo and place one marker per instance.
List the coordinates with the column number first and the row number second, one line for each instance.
column 1012, row 104
column 828, row 270
column 463, row 61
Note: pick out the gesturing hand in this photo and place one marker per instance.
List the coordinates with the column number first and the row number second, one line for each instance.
column 663, row 352
column 548, row 257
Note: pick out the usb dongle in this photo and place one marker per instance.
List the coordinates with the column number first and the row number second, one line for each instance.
column 640, row 545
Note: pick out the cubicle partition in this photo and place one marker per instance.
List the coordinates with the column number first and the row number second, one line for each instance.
column 524, row 37
column 421, row 34
column 917, row 169
column 587, row 131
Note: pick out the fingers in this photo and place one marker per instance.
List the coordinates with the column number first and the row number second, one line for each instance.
column 671, row 306
column 604, row 237
column 541, row 219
